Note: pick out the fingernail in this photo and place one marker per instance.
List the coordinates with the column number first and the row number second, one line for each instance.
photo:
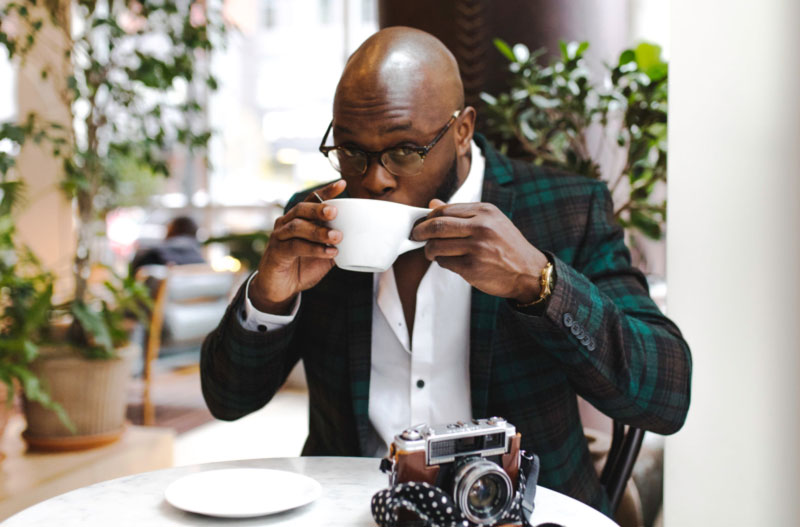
column 334, row 236
column 326, row 211
column 330, row 250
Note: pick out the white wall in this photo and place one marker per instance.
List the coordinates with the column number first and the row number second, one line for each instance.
column 733, row 260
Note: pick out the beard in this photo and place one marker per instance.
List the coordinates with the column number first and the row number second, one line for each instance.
column 449, row 185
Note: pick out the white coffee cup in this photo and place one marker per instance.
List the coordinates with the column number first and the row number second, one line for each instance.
column 374, row 232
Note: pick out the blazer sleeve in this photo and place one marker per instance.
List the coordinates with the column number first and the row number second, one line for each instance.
column 618, row 350
column 241, row 370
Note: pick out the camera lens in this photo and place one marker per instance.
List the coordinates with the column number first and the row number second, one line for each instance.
column 482, row 491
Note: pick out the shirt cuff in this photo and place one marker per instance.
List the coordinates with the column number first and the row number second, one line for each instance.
column 254, row 320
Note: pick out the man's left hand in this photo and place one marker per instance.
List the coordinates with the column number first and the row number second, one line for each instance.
column 478, row 241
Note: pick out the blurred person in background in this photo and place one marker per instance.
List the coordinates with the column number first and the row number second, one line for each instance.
column 179, row 247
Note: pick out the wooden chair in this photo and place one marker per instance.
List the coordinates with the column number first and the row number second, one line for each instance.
column 179, row 293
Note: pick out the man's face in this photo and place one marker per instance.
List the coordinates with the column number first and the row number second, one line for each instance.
column 374, row 128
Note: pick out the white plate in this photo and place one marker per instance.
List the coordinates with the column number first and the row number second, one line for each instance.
column 242, row 492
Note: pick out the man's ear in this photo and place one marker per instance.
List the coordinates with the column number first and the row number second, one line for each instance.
column 465, row 127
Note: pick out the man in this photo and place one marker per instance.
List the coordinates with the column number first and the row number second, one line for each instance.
column 179, row 247
column 462, row 328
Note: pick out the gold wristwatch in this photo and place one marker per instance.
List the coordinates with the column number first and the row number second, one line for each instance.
column 545, row 286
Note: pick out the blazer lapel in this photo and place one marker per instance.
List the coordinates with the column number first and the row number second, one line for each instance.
column 483, row 311
column 359, row 341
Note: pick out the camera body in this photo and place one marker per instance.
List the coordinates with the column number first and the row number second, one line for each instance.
column 476, row 462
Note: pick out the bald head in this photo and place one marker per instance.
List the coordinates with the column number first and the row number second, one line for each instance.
column 401, row 64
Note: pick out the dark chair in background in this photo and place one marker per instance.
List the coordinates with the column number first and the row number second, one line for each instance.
column 626, row 442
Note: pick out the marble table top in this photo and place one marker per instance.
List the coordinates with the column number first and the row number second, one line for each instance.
column 348, row 485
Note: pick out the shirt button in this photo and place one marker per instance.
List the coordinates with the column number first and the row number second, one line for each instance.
column 420, row 383
column 568, row 320
column 262, row 328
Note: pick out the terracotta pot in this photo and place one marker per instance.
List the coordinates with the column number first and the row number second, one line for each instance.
column 93, row 394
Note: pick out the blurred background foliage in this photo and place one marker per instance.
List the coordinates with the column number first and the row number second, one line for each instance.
column 555, row 115
column 138, row 74
column 245, row 247
column 26, row 292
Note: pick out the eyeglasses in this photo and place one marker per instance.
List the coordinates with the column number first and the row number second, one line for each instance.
column 398, row 160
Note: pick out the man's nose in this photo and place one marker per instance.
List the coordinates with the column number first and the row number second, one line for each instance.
column 377, row 180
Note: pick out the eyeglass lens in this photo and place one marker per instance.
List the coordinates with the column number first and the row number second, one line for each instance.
column 398, row 161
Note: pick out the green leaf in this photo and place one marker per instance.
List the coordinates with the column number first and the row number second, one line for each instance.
column 627, row 57
column 521, row 52
column 505, row 49
column 94, row 324
column 30, row 351
column 648, row 58
column 488, row 99
column 645, row 224
column 562, row 45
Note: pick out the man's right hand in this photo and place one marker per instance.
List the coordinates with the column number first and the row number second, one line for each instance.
column 299, row 254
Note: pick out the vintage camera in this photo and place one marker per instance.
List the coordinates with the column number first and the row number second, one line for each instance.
column 476, row 462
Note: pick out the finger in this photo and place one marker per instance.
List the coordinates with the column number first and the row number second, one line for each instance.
column 298, row 248
column 328, row 191
column 304, row 229
column 436, row 249
column 442, row 227
column 436, row 203
column 461, row 210
column 311, row 211
column 458, row 264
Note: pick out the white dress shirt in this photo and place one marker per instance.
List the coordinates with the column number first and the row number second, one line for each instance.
column 418, row 378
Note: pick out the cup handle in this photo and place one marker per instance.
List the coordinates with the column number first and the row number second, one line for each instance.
column 408, row 245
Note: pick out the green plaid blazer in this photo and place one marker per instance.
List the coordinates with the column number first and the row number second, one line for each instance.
column 599, row 336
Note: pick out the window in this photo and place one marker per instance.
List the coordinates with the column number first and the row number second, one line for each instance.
column 325, row 11
column 269, row 13
column 368, row 8
column 277, row 84
column 277, row 76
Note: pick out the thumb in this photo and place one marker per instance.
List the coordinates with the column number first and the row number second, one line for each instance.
column 435, row 203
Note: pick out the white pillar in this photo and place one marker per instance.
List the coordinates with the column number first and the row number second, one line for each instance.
column 733, row 260
column 45, row 223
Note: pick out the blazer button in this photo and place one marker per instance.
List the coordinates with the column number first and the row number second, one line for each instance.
column 585, row 340
column 576, row 329
column 591, row 346
column 568, row 320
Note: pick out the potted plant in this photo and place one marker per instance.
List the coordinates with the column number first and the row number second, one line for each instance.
column 25, row 300
column 613, row 129
column 138, row 73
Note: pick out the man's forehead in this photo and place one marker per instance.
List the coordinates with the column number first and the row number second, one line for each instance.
column 345, row 127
